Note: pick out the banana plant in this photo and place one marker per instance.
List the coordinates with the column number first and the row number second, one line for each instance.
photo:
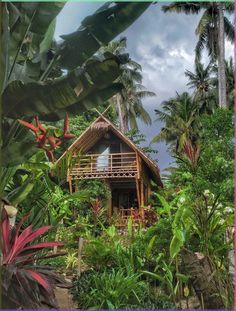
column 42, row 99
column 30, row 62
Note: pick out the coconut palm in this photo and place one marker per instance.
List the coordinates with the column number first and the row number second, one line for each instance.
column 229, row 72
column 201, row 81
column 180, row 115
column 212, row 29
column 129, row 100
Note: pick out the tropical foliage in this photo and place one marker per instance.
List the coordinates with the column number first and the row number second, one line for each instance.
column 181, row 255
column 128, row 101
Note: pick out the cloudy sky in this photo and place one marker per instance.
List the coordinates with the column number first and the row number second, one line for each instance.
column 164, row 46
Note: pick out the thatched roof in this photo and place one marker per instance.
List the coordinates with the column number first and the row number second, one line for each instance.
column 100, row 125
column 96, row 131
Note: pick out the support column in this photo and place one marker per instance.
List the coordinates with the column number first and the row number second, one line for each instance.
column 109, row 201
column 142, row 200
column 70, row 184
column 138, row 192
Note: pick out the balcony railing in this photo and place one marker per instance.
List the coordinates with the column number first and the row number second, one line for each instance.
column 112, row 165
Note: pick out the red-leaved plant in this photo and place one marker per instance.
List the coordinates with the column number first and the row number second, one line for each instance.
column 25, row 284
column 97, row 210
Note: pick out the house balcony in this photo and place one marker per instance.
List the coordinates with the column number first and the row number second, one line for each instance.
column 100, row 166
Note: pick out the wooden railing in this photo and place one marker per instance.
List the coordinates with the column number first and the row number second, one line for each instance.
column 112, row 165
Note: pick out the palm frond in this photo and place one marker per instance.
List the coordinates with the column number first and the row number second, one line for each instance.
column 203, row 23
column 182, row 7
column 229, row 29
column 143, row 94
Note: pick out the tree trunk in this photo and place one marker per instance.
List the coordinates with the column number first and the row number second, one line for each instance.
column 204, row 280
column 221, row 57
column 126, row 123
column 120, row 115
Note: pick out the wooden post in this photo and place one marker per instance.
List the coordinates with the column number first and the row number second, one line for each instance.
column 70, row 184
column 138, row 165
column 138, row 192
column 142, row 200
column 109, row 202
column 149, row 191
column 81, row 241
column 142, row 193
column 91, row 164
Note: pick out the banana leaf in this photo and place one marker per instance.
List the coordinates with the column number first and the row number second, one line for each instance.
column 91, row 101
column 34, row 98
column 32, row 27
column 19, row 194
column 17, row 152
column 4, row 19
column 34, row 16
column 96, row 30
column 18, row 144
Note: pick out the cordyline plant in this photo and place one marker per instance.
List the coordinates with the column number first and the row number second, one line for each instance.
column 96, row 207
column 25, row 284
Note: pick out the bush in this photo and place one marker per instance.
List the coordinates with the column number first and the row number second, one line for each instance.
column 110, row 289
column 99, row 253
column 163, row 231
column 57, row 262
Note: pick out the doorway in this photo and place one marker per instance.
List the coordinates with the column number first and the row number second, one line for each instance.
column 124, row 201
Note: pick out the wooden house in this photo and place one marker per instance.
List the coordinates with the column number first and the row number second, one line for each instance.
column 103, row 152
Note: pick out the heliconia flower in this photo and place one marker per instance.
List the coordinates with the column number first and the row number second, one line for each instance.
column 52, row 141
column 58, row 143
column 39, row 125
column 29, row 125
column 68, row 136
column 44, row 138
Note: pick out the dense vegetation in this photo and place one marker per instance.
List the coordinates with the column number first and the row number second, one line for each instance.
column 182, row 257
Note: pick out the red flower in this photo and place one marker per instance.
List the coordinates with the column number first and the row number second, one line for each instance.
column 44, row 137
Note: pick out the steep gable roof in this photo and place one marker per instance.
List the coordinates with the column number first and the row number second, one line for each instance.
column 96, row 130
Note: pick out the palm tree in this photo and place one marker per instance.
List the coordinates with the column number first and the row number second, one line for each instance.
column 229, row 73
column 180, row 115
column 212, row 29
column 201, row 81
column 129, row 100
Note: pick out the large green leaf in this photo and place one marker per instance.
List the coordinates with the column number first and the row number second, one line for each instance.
column 31, row 35
column 175, row 245
column 47, row 41
column 98, row 29
column 18, row 144
column 43, row 14
column 4, row 19
column 91, row 101
column 19, row 194
column 32, row 99
column 6, row 174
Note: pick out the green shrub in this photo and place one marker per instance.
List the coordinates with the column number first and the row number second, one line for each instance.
column 57, row 262
column 163, row 231
column 99, row 253
column 110, row 289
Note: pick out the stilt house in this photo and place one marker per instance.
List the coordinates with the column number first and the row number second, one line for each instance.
column 103, row 152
